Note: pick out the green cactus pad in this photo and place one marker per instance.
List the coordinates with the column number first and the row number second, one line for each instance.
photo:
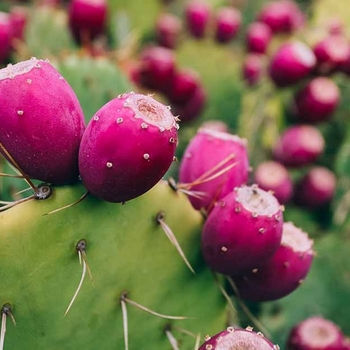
column 126, row 251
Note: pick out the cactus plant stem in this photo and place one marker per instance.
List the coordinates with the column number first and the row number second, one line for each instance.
column 160, row 218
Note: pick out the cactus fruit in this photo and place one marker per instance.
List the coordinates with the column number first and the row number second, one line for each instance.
column 273, row 176
column 87, row 19
column 197, row 15
column 168, row 30
column 299, row 145
column 283, row 272
column 237, row 338
column 41, row 122
column 5, row 36
column 213, row 164
column 315, row 333
column 115, row 169
column 243, row 229
column 317, row 101
column 253, row 68
column 258, row 37
column 126, row 251
column 227, row 24
column 292, row 62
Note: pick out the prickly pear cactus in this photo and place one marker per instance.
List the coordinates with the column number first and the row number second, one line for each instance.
column 128, row 255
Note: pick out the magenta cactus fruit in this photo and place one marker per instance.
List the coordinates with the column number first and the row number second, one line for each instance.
column 41, row 121
column 197, row 16
column 292, row 62
column 5, row 36
column 258, row 37
column 238, row 338
column 183, row 86
column 316, row 188
column 281, row 16
column 18, row 18
column 87, row 19
column 227, row 23
column 299, row 145
column 207, row 154
column 127, row 147
column 253, row 68
column 331, row 53
column 316, row 101
column 157, row 67
column 242, row 231
column 315, row 333
column 168, row 30
column 283, row 272
column 273, row 176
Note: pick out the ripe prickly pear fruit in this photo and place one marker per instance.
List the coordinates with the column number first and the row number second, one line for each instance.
column 41, row 121
column 253, row 68
column 227, row 23
column 273, row 176
column 283, row 272
column 299, row 145
column 281, row 16
column 315, row 333
column 197, row 15
column 317, row 101
column 243, row 230
column 18, row 17
column 258, row 37
column 168, row 30
column 208, row 153
column 87, row 19
column 157, row 67
column 5, row 36
column 237, row 338
column 331, row 53
column 292, row 62
column 127, row 147
column 316, row 188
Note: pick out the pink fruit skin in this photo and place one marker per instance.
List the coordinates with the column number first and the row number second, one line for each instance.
column 317, row 101
column 235, row 240
column 281, row 16
column 258, row 37
column 5, row 36
column 191, row 109
column 168, row 30
column 18, row 17
column 237, row 338
column 316, row 188
column 182, row 86
column 157, row 68
column 273, row 176
column 277, row 277
column 41, row 121
column 331, row 53
column 313, row 337
column 122, row 155
column 197, row 15
column 253, row 68
column 299, row 145
column 206, row 150
column 227, row 23
column 87, row 18
column 292, row 62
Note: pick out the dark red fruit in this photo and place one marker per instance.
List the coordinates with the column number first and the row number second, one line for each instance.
column 315, row 333
column 168, row 30
column 299, row 145
column 197, row 15
column 243, row 230
column 283, row 272
column 292, row 62
column 18, row 18
column 258, row 37
column 5, row 36
column 273, row 176
column 253, row 68
column 317, row 101
column 316, row 188
column 227, row 23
